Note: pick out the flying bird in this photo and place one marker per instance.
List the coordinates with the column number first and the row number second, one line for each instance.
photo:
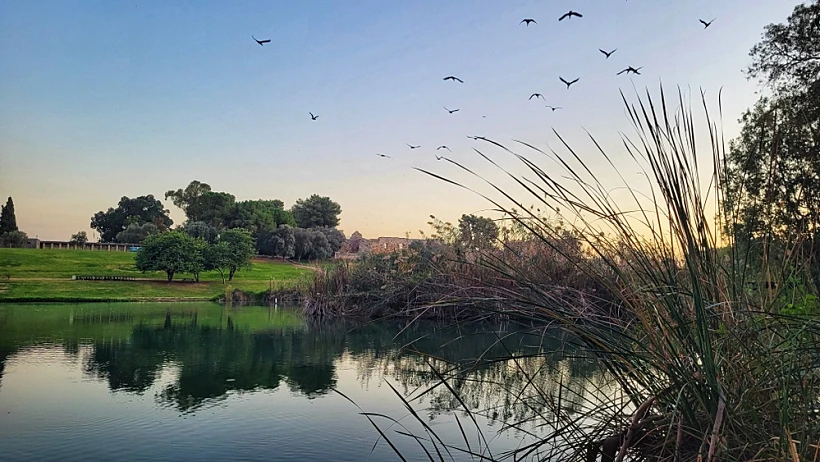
column 313, row 117
column 413, row 147
column 536, row 95
column 261, row 42
column 554, row 107
column 443, row 147
column 568, row 83
column 528, row 21
column 439, row 157
column 384, row 155
column 706, row 24
column 453, row 78
column 632, row 70
column 450, row 110
column 608, row 54
column 570, row 14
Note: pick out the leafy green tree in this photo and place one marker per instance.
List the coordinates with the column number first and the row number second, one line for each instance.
column 477, row 233
column 316, row 211
column 241, row 249
column 259, row 215
column 217, row 257
column 139, row 210
column 80, row 238
column 8, row 220
column 214, row 208
column 202, row 230
column 184, row 198
column 13, row 239
column 172, row 252
column 136, row 233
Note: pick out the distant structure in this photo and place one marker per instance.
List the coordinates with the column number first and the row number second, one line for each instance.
column 34, row 243
column 357, row 245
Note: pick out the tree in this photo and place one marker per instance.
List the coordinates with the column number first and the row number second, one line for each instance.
column 241, row 249
column 217, row 257
column 136, row 233
column 302, row 243
column 259, row 215
column 8, row 220
column 172, row 252
column 335, row 238
column 14, row 239
column 80, row 238
column 213, row 208
column 320, row 246
column 278, row 243
column 139, row 210
column 316, row 211
column 202, row 230
column 477, row 233
column 789, row 54
column 183, row 199
column 773, row 179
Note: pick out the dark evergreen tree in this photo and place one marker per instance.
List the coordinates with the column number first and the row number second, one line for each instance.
column 8, row 221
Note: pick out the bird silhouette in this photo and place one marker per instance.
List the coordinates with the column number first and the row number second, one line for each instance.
column 261, row 42
column 453, row 78
column 443, row 147
column 313, row 117
column 706, row 24
column 608, row 54
column 568, row 83
column 450, row 110
column 554, row 107
column 570, row 14
column 413, row 147
column 384, row 155
column 536, row 95
column 528, row 21
column 632, row 70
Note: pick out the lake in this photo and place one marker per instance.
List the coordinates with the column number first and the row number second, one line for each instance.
column 199, row 381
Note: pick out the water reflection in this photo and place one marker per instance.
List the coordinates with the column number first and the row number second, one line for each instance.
column 216, row 351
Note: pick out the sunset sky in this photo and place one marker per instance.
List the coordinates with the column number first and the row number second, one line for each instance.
column 103, row 99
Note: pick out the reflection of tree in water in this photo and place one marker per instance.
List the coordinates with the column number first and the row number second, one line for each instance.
column 473, row 361
column 213, row 361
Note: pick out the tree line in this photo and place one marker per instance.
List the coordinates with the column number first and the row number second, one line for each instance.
column 305, row 231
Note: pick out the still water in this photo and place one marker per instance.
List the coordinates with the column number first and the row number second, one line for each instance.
column 204, row 382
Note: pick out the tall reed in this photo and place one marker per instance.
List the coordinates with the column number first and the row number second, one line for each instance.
column 706, row 366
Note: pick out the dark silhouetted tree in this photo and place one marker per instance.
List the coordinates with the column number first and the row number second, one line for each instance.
column 80, row 238
column 8, row 220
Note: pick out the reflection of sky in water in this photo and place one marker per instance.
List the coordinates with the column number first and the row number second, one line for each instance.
column 197, row 390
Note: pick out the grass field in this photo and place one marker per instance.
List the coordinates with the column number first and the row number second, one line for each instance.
column 45, row 275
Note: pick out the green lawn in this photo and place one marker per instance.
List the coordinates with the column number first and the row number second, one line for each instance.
column 46, row 275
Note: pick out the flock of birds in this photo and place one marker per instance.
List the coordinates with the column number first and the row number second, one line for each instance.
column 526, row 21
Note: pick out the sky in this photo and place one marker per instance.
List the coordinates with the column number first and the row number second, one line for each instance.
column 101, row 99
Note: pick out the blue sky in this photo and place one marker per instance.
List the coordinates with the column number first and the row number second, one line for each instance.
column 102, row 99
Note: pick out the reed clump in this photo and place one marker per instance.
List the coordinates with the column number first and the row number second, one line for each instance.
column 713, row 349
